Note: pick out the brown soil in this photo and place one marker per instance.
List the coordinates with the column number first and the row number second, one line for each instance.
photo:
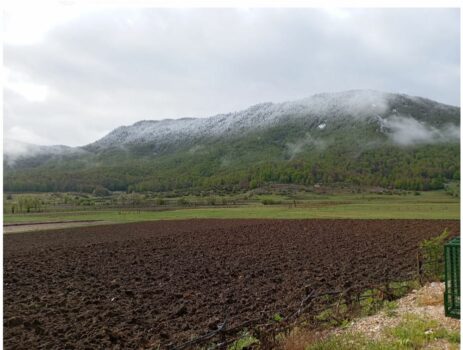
column 147, row 284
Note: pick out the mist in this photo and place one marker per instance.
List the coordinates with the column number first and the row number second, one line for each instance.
column 14, row 150
column 406, row 131
column 297, row 147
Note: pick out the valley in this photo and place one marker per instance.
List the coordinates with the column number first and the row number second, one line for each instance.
column 122, row 207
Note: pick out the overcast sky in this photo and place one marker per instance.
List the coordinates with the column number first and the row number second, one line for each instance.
column 74, row 74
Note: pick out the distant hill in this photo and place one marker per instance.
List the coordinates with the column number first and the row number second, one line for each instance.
column 353, row 138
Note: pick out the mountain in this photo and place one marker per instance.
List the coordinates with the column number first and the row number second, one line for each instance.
column 357, row 137
column 16, row 152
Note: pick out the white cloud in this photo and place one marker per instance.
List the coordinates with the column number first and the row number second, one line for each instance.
column 407, row 131
column 20, row 84
column 337, row 12
column 80, row 72
column 30, row 91
column 18, row 133
column 28, row 23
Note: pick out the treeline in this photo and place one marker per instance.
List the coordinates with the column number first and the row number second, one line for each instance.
column 26, row 205
column 422, row 168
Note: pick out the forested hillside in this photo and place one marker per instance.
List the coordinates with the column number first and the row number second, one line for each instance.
column 355, row 138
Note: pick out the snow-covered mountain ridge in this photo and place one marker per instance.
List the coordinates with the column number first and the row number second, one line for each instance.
column 401, row 118
column 354, row 137
column 354, row 104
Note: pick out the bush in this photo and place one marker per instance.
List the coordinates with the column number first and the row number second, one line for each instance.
column 432, row 257
column 101, row 191
column 270, row 202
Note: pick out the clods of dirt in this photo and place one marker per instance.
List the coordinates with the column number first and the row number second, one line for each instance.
column 141, row 285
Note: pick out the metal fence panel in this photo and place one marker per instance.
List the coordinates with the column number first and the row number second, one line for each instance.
column 452, row 278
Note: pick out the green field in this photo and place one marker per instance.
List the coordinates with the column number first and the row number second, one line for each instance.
column 428, row 205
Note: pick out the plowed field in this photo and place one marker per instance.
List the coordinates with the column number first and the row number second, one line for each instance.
column 139, row 285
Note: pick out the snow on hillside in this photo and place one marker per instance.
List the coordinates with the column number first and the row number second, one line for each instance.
column 382, row 109
column 356, row 103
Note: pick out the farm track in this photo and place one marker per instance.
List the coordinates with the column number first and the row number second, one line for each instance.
column 143, row 284
column 53, row 225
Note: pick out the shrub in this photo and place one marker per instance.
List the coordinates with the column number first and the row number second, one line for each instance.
column 101, row 191
column 432, row 257
column 270, row 202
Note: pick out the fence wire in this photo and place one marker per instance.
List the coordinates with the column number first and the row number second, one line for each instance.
column 312, row 304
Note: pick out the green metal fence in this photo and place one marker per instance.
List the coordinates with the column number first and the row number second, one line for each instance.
column 452, row 278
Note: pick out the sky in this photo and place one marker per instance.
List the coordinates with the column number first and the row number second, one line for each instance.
column 73, row 74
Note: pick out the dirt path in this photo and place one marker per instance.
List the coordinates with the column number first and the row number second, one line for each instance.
column 43, row 226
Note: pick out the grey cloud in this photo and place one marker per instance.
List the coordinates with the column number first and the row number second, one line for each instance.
column 118, row 66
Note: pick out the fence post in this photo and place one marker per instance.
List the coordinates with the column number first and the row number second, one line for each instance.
column 419, row 265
